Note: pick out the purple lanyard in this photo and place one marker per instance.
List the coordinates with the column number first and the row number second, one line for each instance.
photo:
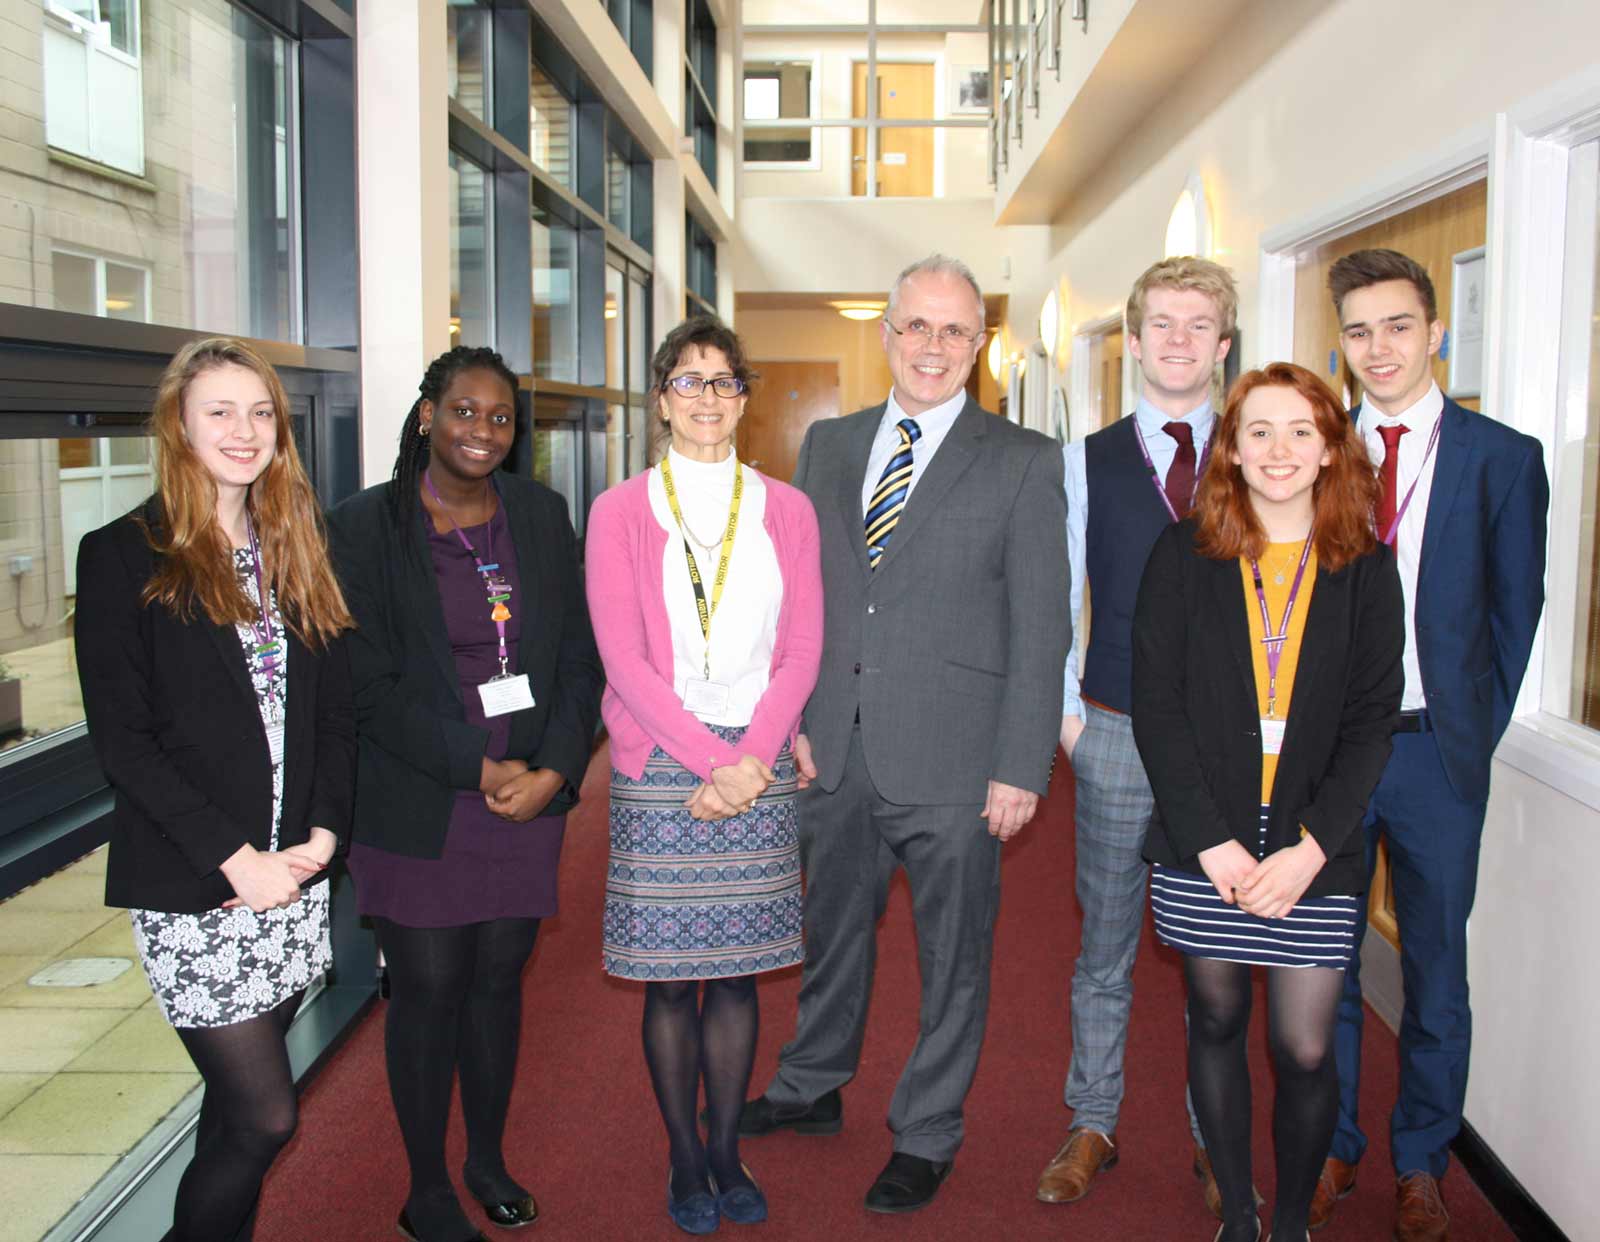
column 1155, row 476
column 267, row 646
column 1275, row 639
column 494, row 583
column 1394, row 526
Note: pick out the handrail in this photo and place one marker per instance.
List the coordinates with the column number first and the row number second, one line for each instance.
column 1020, row 45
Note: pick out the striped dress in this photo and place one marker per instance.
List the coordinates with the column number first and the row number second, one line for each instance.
column 1189, row 913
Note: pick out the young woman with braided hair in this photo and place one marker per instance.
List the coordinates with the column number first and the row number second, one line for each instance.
column 477, row 689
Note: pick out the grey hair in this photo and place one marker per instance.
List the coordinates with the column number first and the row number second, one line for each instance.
column 943, row 264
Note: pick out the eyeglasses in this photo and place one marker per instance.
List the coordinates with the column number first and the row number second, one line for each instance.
column 952, row 334
column 693, row 385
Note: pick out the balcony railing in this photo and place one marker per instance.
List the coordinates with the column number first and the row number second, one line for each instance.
column 1024, row 42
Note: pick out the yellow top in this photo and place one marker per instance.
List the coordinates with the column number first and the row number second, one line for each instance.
column 1280, row 559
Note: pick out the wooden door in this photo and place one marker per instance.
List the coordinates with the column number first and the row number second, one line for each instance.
column 905, row 156
column 786, row 400
column 1108, row 380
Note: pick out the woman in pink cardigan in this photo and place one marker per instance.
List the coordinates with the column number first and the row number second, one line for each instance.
column 705, row 589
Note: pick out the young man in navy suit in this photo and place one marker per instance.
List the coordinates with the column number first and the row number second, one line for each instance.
column 1464, row 506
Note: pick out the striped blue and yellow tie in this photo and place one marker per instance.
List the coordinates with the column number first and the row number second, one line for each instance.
column 889, row 497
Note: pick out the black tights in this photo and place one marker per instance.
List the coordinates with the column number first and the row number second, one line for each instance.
column 247, row 1114
column 685, row 1041
column 1301, row 1004
column 455, row 1005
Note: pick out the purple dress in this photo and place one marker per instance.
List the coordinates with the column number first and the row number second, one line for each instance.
column 491, row 868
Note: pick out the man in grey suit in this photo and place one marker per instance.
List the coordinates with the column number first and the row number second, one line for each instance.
column 932, row 730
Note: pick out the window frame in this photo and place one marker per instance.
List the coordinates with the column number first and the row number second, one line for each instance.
column 814, row 104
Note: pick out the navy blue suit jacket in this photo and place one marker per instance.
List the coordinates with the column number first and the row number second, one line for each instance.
column 1480, row 587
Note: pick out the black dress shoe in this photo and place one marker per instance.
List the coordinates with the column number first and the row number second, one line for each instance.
column 906, row 1184
column 822, row 1116
column 513, row 1213
column 403, row 1225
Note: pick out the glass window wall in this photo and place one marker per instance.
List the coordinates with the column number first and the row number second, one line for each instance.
column 471, row 258
column 468, row 31
column 550, row 126
column 185, row 173
column 555, row 306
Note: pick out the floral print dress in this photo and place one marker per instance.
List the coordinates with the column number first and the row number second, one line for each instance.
column 227, row 966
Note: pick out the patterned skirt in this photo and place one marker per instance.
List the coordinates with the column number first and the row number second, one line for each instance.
column 1192, row 917
column 688, row 899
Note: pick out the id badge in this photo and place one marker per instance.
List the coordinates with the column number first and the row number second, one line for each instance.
column 504, row 695
column 706, row 698
column 1272, row 735
column 275, row 742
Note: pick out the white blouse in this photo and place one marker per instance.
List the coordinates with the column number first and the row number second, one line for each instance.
column 745, row 627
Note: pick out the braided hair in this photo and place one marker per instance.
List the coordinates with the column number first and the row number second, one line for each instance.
column 412, row 458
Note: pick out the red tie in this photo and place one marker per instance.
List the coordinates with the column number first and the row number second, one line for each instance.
column 1387, row 474
column 1180, row 475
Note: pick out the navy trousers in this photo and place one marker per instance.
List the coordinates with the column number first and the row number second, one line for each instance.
column 1433, row 838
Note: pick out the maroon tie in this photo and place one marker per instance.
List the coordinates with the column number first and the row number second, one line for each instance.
column 1180, row 475
column 1388, row 475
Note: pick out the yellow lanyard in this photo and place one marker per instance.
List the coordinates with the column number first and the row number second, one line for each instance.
column 707, row 612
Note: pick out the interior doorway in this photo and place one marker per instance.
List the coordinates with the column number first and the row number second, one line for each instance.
column 784, row 402
column 905, row 156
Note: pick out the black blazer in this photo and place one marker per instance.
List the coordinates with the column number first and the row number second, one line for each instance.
column 416, row 747
column 1196, row 717
column 175, row 724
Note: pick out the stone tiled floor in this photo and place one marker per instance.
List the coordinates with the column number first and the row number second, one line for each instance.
column 84, row 1072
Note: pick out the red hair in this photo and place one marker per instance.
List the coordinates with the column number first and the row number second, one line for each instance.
column 1345, row 493
column 195, row 569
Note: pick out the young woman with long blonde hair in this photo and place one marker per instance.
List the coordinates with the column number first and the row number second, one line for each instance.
column 197, row 613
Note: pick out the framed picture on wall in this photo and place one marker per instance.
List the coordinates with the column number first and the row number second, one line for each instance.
column 969, row 88
column 1468, row 277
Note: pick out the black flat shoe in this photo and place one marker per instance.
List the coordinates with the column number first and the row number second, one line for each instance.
column 403, row 1226
column 906, row 1184
column 822, row 1116
column 513, row 1213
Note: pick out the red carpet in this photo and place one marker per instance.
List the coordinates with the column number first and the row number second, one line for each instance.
column 585, row 1136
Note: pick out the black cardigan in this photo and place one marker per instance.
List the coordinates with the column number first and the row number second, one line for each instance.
column 175, row 724
column 416, row 748
column 1196, row 717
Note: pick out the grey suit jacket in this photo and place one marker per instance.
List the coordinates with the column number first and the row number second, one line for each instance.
column 951, row 650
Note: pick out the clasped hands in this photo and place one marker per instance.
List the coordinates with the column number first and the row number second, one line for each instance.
column 1270, row 887
column 268, row 879
column 732, row 789
column 514, row 791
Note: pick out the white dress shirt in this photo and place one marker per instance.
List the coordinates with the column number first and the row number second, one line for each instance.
column 1163, row 449
column 1415, row 466
column 935, row 425
column 745, row 626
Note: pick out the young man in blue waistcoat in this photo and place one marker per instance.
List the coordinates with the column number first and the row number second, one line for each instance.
column 1125, row 484
column 1464, row 505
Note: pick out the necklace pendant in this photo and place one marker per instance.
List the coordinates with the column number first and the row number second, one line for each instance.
column 1278, row 579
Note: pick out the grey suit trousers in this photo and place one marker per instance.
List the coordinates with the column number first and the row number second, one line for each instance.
column 851, row 842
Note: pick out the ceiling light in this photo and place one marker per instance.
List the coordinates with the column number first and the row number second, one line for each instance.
column 861, row 311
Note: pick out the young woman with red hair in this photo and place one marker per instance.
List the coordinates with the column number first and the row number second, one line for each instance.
column 1267, row 644
column 196, row 613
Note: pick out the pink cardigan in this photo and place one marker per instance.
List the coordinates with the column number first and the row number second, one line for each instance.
column 628, row 608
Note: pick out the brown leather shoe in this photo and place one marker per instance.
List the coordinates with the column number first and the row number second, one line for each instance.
column 1419, row 1214
column 1066, row 1178
column 1208, row 1183
column 1338, row 1179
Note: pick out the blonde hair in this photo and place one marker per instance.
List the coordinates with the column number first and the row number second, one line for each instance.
column 1186, row 272
column 195, row 559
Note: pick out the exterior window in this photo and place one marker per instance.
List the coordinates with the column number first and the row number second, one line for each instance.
column 555, row 308
column 633, row 20
column 702, row 268
column 468, row 33
column 700, row 84
column 471, row 263
column 91, row 285
column 550, row 127
column 619, row 177
column 92, row 79
column 779, row 91
column 205, row 190
column 61, row 490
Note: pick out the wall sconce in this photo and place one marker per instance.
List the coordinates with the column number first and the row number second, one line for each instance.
column 997, row 356
column 1050, row 323
column 1189, row 225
